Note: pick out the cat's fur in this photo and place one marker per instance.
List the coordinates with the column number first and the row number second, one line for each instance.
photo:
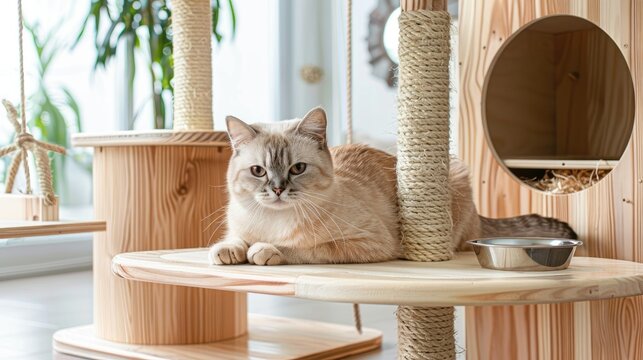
column 341, row 209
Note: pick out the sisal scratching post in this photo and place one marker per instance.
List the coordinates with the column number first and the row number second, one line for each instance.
column 423, row 168
column 192, row 25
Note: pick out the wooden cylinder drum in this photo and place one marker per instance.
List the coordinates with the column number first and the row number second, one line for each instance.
column 156, row 191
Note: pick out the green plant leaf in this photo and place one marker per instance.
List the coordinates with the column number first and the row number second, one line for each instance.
column 233, row 16
column 71, row 103
column 152, row 17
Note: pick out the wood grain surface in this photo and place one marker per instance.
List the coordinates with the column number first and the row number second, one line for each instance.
column 607, row 217
column 19, row 229
column 153, row 137
column 268, row 338
column 559, row 91
column 458, row 282
column 27, row 207
column 160, row 197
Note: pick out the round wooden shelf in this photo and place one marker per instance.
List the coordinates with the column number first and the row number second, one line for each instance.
column 457, row 282
column 268, row 338
column 153, row 138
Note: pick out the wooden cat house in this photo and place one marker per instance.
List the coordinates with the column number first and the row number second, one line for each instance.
column 556, row 85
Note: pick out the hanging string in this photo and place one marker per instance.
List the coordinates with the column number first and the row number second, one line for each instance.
column 23, row 106
column 349, row 72
column 349, row 111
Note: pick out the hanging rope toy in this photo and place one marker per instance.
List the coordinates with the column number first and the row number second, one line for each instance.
column 25, row 142
column 22, row 144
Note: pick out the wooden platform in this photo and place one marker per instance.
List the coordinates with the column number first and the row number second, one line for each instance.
column 18, row 229
column 458, row 282
column 552, row 164
column 268, row 337
column 153, row 138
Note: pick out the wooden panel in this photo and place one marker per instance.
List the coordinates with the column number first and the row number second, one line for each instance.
column 594, row 97
column 533, row 109
column 157, row 197
column 606, row 216
column 18, row 229
column 27, row 207
column 268, row 338
column 155, row 137
column 457, row 282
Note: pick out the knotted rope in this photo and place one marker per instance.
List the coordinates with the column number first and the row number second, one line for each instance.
column 25, row 142
column 423, row 172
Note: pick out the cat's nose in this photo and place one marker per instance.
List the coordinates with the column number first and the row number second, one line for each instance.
column 278, row 190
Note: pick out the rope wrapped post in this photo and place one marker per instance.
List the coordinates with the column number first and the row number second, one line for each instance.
column 423, row 168
column 192, row 25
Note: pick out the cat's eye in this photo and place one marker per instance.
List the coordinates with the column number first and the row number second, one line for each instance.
column 298, row 168
column 257, row 171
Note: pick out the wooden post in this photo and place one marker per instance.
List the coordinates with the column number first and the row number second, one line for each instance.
column 160, row 197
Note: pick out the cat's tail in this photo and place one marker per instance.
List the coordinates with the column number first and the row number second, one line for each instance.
column 526, row 226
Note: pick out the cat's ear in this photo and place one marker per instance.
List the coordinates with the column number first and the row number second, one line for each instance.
column 314, row 125
column 239, row 132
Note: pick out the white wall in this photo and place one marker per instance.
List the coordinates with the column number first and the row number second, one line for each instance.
column 374, row 103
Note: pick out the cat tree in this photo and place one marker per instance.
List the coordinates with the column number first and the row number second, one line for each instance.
column 153, row 188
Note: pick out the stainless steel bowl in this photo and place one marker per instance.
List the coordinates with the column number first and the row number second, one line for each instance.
column 524, row 254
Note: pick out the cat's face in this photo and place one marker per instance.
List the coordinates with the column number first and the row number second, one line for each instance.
column 282, row 165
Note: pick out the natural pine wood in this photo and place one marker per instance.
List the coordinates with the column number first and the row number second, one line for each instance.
column 27, row 207
column 18, row 229
column 607, row 216
column 158, row 197
column 154, row 137
column 545, row 97
column 457, row 282
column 268, row 338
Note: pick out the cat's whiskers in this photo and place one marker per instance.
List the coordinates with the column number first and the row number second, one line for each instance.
column 213, row 221
column 321, row 199
column 322, row 224
column 309, row 221
column 222, row 208
column 331, row 215
column 319, row 216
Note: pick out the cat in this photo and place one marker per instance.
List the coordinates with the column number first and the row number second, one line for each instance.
column 294, row 200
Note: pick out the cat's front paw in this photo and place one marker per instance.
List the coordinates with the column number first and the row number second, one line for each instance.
column 227, row 253
column 265, row 254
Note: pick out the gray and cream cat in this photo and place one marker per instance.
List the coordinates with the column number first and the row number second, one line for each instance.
column 293, row 200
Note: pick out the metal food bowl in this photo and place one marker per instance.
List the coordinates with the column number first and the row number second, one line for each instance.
column 525, row 254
